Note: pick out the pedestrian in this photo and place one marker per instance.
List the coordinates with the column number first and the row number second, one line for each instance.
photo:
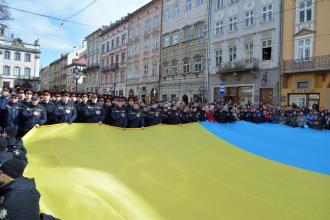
column 49, row 107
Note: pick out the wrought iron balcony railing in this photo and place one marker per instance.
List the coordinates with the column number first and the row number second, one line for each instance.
column 317, row 63
column 244, row 65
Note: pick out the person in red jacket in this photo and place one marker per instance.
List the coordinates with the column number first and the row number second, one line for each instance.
column 210, row 113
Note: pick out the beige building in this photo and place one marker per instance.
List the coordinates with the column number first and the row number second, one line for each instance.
column 44, row 78
column 305, row 78
column 92, row 74
column 113, row 41
column 144, row 52
column 183, row 54
column 19, row 63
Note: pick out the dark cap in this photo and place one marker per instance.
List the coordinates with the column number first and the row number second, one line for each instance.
column 13, row 168
column 35, row 97
column 57, row 94
column 84, row 95
column 94, row 96
column 28, row 91
column 13, row 95
column 47, row 92
column 66, row 94
column 73, row 95
column 5, row 88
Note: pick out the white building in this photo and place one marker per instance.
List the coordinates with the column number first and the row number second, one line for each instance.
column 19, row 63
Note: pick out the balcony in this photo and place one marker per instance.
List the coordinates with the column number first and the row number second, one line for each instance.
column 93, row 66
column 114, row 66
column 245, row 65
column 317, row 63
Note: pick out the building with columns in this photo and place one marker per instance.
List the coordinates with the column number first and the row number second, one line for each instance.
column 113, row 56
column 245, row 50
column 184, row 47
column 144, row 52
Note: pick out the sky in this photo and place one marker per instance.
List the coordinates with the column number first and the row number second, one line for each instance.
column 56, row 38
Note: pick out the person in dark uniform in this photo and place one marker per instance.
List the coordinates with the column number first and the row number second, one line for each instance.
column 94, row 112
column 201, row 114
column 164, row 112
column 155, row 115
column 12, row 113
column 57, row 98
column 19, row 195
column 131, row 102
column 135, row 117
column 33, row 115
column 185, row 115
column 49, row 107
column 21, row 95
column 14, row 144
column 173, row 116
column 65, row 111
column 119, row 114
column 80, row 109
column 4, row 99
column 28, row 96
column 145, row 114
column 194, row 114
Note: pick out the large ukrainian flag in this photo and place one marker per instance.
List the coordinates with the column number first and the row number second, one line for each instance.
column 89, row 171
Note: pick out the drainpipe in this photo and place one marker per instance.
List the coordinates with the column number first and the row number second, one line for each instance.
column 209, row 8
column 279, row 69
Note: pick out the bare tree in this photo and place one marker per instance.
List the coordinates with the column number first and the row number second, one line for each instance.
column 4, row 13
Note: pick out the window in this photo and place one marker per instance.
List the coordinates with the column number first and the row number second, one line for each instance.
column 17, row 56
column 304, row 48
column 176, row 37
column 167, row 40
column 198, row 64
column 146, row 69
column 123, row 57
column 148, row 25
column 176, row 9
column 167, row 13
column 302, row 85
column 233, row 2
column 17, row 71
column 154, row 69
column 233, row 24
column 7, row 55
column 174, row 67
column 218, row 28
column 232, row 54
column 188, row 5
column 249, row 19
column 186, row 66
column 103, row 48
column 248, row 51
column 146, row 45
column 220, row 4
column 27, row 72
column 218, row 57
column 305, row 9
column 137, row 30
column 267, row 12
column 267, row 50
column 6, row 70
column 122, row 76
column 123, row 39
column 117, row 42
column 199, row 3
column 156, row 22
column 112, row 44
column 108, row 46
column 199, row 30
column 155, row 42
column 187, row 33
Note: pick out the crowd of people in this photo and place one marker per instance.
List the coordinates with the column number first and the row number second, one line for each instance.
column 22, row 110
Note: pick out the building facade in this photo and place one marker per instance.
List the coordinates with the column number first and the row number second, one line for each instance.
column 92, row 74
column 19, row 63
column 144, row 52
column 113, row 55
column 244, row 50
column 75, row 75
column 183, row 54
column 44, row 78
column 305, row 78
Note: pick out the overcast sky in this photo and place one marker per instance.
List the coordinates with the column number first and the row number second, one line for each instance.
column 55, row 38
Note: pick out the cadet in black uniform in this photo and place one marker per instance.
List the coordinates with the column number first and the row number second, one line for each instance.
column 49, row 107
column 155, row 115
column 94, row 112
column 65, row 111
column 135, row 117
column 119, row 114
column 14, row 144
column 173, row 116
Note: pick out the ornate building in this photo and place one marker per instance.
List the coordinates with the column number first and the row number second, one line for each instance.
column 183, row 54
column 144, row 52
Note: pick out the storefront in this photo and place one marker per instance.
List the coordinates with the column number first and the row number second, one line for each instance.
column 238, row 94
column 304, row 99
